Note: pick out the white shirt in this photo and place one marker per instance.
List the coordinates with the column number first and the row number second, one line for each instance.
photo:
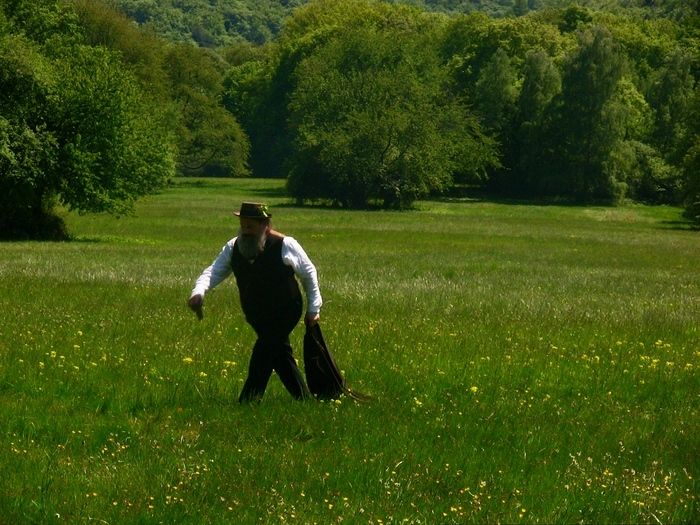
column 292, row 255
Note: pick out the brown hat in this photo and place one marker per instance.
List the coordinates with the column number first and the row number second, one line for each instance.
column 253, row 210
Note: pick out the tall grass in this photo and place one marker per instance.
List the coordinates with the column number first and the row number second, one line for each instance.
column 528, row 364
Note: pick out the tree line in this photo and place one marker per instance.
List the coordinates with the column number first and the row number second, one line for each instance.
column 217, row 23
column 368, row 102
column 96, row 112
column 355, row 103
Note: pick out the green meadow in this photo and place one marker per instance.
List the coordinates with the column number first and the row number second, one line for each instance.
column 527, row 364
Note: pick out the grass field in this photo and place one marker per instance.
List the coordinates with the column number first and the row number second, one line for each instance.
column 528, row 364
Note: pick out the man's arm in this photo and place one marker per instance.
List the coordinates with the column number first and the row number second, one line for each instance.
column 211, row 277
column 295, row 256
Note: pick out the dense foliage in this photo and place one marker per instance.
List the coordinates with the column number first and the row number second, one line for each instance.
column 363, row 101
column 371, row 112
column 215, row 23
column 74, row 124
column 357, row 103
column 182, row 78
column 95, row 113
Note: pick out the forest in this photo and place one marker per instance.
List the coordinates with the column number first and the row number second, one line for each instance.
column 216, row 23
column 357, row 103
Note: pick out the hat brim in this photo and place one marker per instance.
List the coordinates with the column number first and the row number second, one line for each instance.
column 246, row 216
column 253, row 210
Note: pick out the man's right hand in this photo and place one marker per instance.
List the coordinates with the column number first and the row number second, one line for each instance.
column 196, row 302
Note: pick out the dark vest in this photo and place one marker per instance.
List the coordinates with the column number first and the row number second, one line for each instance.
column 267, row 287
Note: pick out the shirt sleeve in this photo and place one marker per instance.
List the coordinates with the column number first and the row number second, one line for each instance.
column 294, row 255
column 216, row 272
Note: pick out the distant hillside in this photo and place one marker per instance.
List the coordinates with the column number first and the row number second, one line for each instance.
column 215, row 23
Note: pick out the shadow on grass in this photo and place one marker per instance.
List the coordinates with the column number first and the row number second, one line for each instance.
column 113, row 239
column 686, row 226
column 186, row 182
column 85, row 239
column 479, row 195
column 275, row 193
column 40, row 226
column 474, row 196
column 329, row 206
column 217, row 182
column 462, row 194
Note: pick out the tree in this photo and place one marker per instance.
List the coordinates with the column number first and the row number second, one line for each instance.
column 635, row 166
column 210, row 140
column 185, row 81
column 541, row 84
column 373, row 119
column 671, row 95
column 520, row 7
column 472, row 41
column 692, row 182
column 582, row 130
column 257, row 92
column 488, row 61
column 74, row 125
column 26, row 154
column 691, row 163
column 112, row 148
column 495, row 94
column 573, row 18
column 140, row 50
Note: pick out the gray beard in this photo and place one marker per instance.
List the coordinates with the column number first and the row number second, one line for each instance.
column 251, row 245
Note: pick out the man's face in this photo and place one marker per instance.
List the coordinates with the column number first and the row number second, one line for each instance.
column 251, row 237
column 253, row 227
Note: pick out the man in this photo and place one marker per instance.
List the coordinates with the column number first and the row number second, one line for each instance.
column 265, row 264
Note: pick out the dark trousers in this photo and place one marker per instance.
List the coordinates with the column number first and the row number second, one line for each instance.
column 273, row 351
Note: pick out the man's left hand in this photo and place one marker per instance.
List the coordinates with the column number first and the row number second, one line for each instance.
column 311, row 319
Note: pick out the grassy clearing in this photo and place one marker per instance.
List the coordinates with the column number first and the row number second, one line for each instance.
column 528, row 364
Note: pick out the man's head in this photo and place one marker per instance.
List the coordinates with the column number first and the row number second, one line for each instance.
column 254, row 210
column 255, row 223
